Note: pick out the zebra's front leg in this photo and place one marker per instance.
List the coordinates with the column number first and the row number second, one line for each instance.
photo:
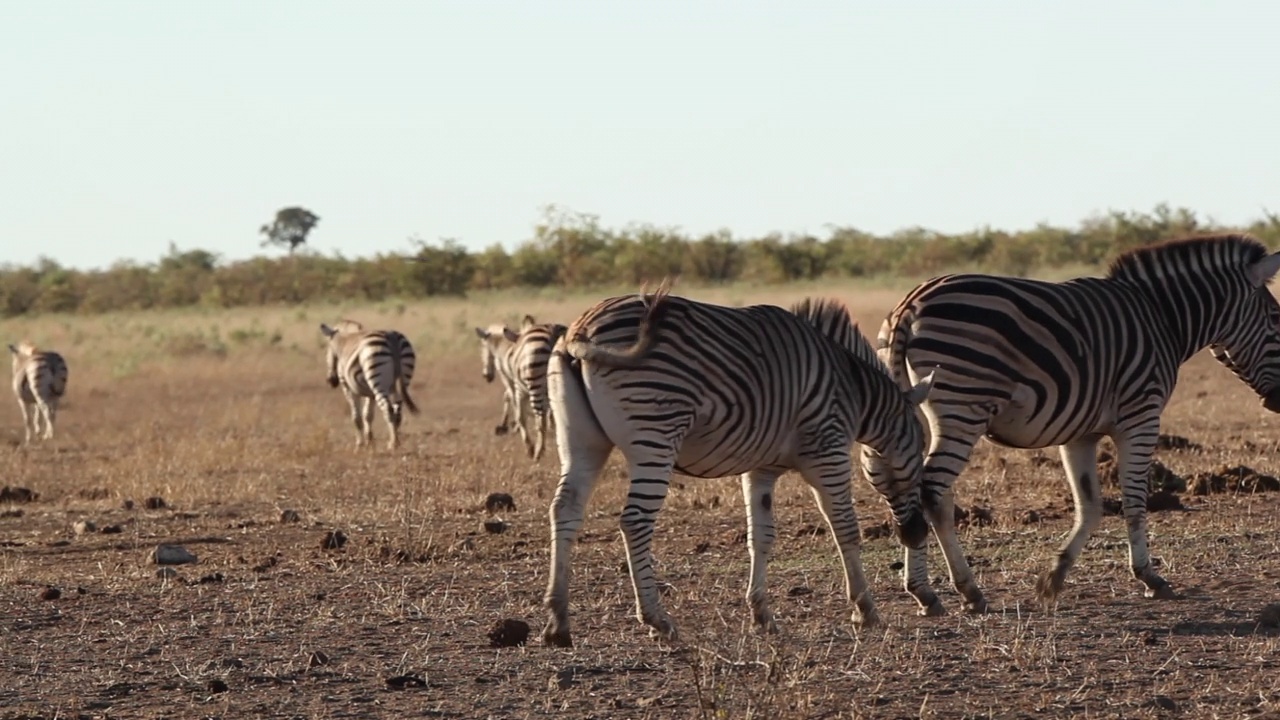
column 523, row 415
column 1134, row 454
column 949, row 450
column 1080, row 460
column 757, row 493
column 650, row 472
column 833, row 492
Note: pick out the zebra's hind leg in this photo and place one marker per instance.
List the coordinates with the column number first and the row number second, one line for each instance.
column 1134, row 451
column 1080, row 460
column 27, row 421
column 757, row 493
column 584, row 449
column 391, row 413
column 354, row 403
column 50, row 410
column 541, row 442
column 369, row 406
column 650, row 472
column 833, row 492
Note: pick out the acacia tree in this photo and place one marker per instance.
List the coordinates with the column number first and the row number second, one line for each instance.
column 290, row 228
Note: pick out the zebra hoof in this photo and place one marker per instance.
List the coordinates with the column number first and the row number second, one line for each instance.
column 867, row 620
column 935, row 609
column 556, row 638
column 500, row 430
column 976, row 607
column 1049, row 586
column 1162, row 592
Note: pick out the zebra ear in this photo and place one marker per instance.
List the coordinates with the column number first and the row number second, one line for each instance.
column 920, row 391
column 527, row 322
column 327, row 331
column 482, row 333
column 1261, row 272
column 13, row 349
column 510, row 334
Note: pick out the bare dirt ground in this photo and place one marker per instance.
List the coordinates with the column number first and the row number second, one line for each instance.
column 395, row 622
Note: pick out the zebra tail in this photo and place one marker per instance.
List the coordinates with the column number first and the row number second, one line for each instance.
column 891, row 345
column 402, row 386
column 646, row 340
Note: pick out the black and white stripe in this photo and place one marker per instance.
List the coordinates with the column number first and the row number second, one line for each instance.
column 39, row 382
column 373, row 365
column 519, row 360
column 710, row 391
column 1031, row 364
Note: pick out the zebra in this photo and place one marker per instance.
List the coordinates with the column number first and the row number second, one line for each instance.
column 39, row 382
column 710, row 391
column 520, row 360
column 1034, row 364
column 376, row 365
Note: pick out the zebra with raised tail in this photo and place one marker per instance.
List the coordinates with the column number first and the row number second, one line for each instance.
column 373, row 367
column 519, row 360
column 710, row 391
column 39, row 382
column 1033, row 364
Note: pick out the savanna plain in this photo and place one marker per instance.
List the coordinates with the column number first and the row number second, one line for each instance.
column 215, row 431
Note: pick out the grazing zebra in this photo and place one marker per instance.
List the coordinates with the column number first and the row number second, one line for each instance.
column 520, row 360
column 710, row 391
column 39, row 381
column 1032, row 364
column 376, row 365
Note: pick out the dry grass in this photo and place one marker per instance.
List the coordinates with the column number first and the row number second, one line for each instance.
column 227, row 417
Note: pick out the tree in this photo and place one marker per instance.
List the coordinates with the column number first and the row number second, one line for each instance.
column 290, row 229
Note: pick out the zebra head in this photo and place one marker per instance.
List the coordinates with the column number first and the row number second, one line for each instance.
column 895, row 469
column 491, row 341
column 1249, row 342
column 331, row 352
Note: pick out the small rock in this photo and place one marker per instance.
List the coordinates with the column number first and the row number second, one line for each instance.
column 14, row 513
column 982, row 516
column 333, row 540
column 1030, row 517
column 508, row 633
column 1147, row 637
column 166, row 573
column 172, row 555
column 702, row 547
column 562, row 680
column 881, row 529
column 155, row 502
column 50, row 593
column 317, row 659
column 799, row 590
column 210, row 578
column 84, row 526
column 466, row 544
column 1164, row 500
column 127, row 504
column 1164, row 702
column 111, row 530
column 216, row 686
column 290, row 516
column 495, row 527
column 897, row 565
column 266, row 565
column 1270, row 616
column 404, row 682
column 499, row 501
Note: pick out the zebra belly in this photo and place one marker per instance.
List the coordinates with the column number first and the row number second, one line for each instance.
column 718, row 459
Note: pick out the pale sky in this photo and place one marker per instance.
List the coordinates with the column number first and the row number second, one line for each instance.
column 125, row 124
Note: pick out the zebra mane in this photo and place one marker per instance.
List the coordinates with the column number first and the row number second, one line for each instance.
column 1197, row 254
column 831, row 318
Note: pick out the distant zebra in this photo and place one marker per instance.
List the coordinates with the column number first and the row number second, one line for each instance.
column 710, row 391
column 376, row 365
column 1031, row 364
column 519, row 359
column 39, row 381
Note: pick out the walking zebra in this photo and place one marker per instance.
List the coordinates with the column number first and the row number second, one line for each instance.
column 520, row 360
column 376, row 365
column 39, row 381
column 1031, row 364
column 710, row 391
